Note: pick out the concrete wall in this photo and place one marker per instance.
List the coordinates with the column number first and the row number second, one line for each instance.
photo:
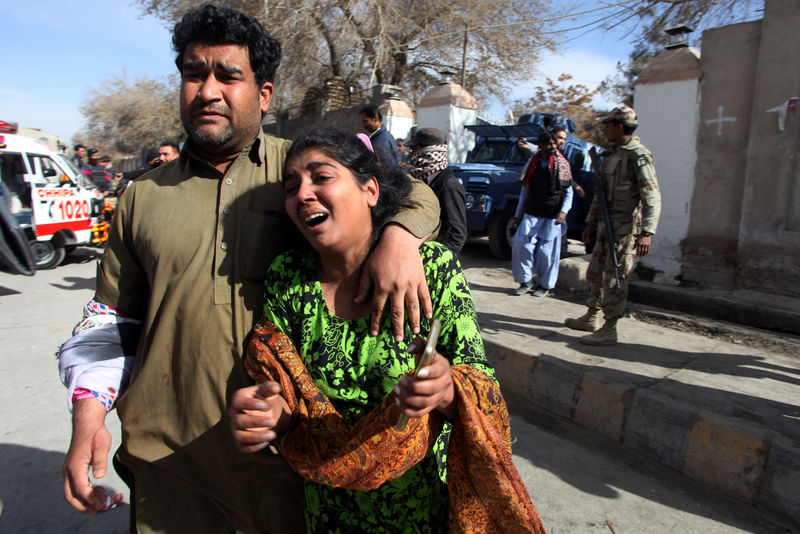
column 744, row 229
column 667, row 114
column 769, row 233
column 726, row 95
column 399, row 126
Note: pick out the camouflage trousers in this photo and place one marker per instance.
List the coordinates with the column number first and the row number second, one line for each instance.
column 603, row 291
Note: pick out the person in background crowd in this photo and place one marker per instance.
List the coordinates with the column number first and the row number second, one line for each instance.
column 167, row 151
column 96, row 172
column 402, row 153
column 79, row 152
column 428, row 162
column 629, row 178
column 105, row 162
column 544, row 201
column 382, row 140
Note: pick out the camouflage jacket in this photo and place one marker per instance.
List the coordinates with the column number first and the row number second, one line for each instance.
column 634, row 200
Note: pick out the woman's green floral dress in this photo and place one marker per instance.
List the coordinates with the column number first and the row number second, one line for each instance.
column 357, row 371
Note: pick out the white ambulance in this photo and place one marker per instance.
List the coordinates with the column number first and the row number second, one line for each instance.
column 50, row 198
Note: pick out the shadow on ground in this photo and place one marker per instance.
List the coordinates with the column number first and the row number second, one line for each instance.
column 31, row 491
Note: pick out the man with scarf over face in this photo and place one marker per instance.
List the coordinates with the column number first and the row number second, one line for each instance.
column 545, row 199
column 428, row 162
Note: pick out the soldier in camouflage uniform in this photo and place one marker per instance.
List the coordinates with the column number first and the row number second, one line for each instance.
column 634, row 203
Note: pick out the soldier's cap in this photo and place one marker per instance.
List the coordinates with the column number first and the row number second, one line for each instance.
column 428, row 137
column 624, row 114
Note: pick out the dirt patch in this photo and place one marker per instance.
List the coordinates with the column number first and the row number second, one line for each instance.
column 783, row 344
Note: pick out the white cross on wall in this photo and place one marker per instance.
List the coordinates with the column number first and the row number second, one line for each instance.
column 720, row 119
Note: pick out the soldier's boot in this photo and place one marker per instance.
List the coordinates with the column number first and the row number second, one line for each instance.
column 589, row 321
column 607, row 335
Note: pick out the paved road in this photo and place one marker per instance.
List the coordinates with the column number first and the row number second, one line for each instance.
column 578, row 480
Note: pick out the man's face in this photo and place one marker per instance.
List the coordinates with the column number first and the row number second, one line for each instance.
column 548, row 149
column 614, row 133
column 370, row 124
column 561, row 138
column 167, row 153
column 221, row 105
column 81, row 152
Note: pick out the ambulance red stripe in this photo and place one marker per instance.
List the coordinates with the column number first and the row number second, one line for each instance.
column 52, row 228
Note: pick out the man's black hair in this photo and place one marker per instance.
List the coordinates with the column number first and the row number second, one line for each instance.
column 173, row 144
column 545, row 137
column 371, row 111
column 223, row 25
column 76, row 147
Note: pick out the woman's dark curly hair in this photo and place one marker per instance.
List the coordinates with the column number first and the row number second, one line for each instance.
column 223, row 25
column 350, row 152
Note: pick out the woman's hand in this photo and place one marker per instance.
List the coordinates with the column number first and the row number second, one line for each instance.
column 432, row 389
column 258, row 414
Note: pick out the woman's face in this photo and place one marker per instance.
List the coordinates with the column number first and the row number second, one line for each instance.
column 326, row 202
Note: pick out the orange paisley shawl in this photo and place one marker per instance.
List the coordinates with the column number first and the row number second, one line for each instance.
column 486, row 493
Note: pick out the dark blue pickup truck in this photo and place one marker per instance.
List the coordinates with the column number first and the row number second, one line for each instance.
column 490, row 174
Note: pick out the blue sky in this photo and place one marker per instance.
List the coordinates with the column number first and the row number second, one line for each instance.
column 54, row 52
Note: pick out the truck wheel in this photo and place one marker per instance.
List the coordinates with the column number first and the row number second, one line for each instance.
column 501, row 233
column 46, row 255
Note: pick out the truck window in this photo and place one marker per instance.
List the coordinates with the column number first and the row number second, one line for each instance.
column 491, row 151
column 516, row 155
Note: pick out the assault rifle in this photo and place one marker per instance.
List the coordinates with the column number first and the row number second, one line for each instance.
column 603, row 204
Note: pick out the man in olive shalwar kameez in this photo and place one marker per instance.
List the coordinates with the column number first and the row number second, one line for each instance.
column 180, row 286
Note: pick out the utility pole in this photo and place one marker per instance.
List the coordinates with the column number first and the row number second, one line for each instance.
column 464, row 57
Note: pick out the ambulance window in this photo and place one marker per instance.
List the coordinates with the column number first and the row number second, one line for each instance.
column 13, row 174
column 50, row 170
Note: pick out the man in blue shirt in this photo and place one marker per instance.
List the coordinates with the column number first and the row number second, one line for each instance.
column 382, row 140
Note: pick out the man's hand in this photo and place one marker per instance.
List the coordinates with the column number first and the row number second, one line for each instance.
column 587, row 234
column 394, row 270
column 642, row 245
column 258, row 414
column 89, row 447
column 561, row 218
column 432, row 389
column 580, row 190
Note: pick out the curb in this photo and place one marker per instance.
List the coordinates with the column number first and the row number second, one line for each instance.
column 715, row 307
column 743, row 461
column 766, row 315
